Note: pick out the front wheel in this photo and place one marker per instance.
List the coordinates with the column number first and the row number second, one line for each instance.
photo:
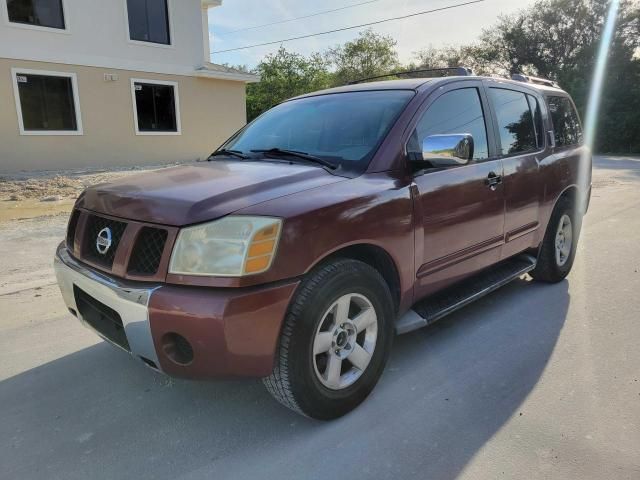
column 335, row 340
column 558, row 248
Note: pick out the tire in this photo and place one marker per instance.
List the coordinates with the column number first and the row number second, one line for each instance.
column 304, row 381
column 551, row 267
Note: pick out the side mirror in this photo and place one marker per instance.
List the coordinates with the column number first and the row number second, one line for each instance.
column 448, row 150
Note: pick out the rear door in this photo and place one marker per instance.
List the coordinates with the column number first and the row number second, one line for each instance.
column 517, row 116
column 459, row 210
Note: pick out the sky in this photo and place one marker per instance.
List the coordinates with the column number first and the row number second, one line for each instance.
column 451, row 27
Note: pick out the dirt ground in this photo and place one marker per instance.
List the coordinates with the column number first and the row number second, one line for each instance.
column 34, row 194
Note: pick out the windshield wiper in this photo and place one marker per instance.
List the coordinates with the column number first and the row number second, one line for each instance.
column 296, row 154
column 228, row 153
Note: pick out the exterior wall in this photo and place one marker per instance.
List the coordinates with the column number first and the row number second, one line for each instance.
column 210, row 111
column 97, row 35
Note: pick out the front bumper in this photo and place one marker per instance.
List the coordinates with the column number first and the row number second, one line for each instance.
column 229, row 332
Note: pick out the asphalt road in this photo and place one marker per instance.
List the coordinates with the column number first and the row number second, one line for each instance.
column 533, row 381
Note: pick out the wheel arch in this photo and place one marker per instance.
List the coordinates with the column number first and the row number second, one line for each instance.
column 374, row 256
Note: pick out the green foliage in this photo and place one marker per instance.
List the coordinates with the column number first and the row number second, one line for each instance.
column 559, row 39
column 285, row 75
column 556, row 39
column 367, row 56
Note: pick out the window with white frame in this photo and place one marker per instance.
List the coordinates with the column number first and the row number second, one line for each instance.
column 47, row 102
column 156, row 107
column 39, row 13
column 149, row 21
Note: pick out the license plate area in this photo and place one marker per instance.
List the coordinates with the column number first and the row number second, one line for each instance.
column 102, row 318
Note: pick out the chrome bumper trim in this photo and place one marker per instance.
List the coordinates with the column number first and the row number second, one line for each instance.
column 130, row 301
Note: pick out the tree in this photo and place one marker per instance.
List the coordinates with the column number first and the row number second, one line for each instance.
column 284, row 75
column 556, row 39
column 369, row 55
column 559, row 39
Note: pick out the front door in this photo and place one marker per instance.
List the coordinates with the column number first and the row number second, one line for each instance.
column 459, row 210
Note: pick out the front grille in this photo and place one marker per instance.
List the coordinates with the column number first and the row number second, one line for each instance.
column 103, row 319
column 147, row 252
column 94, row 226
column 71, row 229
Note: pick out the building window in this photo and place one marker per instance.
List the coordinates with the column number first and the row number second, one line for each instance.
column 149, row 21
column 156, row 107
column 47, row 103
column 40, row 13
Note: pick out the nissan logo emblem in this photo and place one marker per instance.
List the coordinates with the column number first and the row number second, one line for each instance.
column 103, row 242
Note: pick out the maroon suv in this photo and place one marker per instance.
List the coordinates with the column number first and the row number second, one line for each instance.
column 327, row 225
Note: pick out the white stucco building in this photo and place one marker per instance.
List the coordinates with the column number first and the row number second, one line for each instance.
column 111, row 82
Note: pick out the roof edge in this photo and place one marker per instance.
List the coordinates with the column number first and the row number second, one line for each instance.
column 220, row 72
column 210, row 3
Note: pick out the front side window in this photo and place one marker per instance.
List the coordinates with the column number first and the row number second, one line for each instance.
column 149, row 21
column 156, row 107
column 458, row 111
column 515, row 121
column 41, row 13
column 566, row 126
column 46, row 103
column 343, row 128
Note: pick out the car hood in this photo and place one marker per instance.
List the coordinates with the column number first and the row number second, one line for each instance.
column 191, row 194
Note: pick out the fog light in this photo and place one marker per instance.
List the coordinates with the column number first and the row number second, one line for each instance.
column 177, row 348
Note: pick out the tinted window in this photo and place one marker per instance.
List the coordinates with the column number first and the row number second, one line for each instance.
column 459, row 111
column 515, row 122
column 46, row 102
column 156, row 109
column 534, row 106
column 566, row 125
column 345, row 128
column 44, row 13
column 149, row 21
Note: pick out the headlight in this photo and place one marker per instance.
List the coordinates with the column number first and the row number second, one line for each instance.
column 231, row 247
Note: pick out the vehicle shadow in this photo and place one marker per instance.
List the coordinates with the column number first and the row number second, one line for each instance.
column 446, row 391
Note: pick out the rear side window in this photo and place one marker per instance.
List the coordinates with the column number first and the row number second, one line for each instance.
column 515, row 121
column 537, row 119
column 566, row 126
column 458, row 111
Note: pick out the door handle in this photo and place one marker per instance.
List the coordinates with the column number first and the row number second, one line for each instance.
column 493, row 180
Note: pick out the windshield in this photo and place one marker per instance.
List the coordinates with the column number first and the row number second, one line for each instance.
column 344, row 128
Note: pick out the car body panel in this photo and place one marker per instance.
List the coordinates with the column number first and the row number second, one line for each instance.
column 193, row 194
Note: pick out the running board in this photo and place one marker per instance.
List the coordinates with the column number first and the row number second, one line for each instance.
column 433, row 308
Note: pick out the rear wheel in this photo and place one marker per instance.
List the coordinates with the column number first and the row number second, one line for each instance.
column 335, row 340
column 558, row 248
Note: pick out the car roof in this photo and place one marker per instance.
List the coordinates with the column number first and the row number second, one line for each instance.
column 421, row 83
column 403, row 84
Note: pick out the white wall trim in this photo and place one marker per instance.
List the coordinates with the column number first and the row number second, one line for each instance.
column 76, row 102
column 127, row 31
column 65, row 12
column 176, row 101
column 129, row 66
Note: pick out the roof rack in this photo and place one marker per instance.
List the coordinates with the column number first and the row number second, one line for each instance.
column 445, row 72
column 537, row 80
